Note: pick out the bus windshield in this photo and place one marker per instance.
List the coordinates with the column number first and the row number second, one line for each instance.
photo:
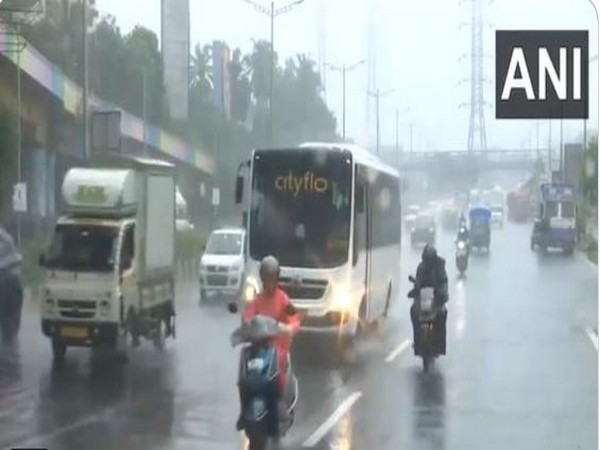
column 300, row 207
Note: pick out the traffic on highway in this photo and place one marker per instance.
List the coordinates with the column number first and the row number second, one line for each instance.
column 198, row 251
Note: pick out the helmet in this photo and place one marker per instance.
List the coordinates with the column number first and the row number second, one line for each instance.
column 429, row 253
column 269, row 265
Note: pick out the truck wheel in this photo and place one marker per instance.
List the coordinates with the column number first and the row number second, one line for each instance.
column 10, row 318
column 59, row 350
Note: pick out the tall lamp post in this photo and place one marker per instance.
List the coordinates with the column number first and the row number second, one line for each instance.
column 273, row 13
column 343, row 69
column 85, row 108
column 378, row 94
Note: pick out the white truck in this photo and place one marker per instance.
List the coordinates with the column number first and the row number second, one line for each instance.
column 110, row 269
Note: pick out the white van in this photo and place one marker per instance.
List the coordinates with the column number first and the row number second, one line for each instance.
column 222, row 263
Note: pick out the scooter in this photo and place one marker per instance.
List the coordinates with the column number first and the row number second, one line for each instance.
column 258, row 378
column 427, row 313
column 462, row 256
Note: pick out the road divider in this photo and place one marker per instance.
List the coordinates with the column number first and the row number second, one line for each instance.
column 326, row 426
column 398, row 350
column 593, row 337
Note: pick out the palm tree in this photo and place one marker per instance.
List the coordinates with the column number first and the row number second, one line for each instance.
column 241, row 89
column 201, row 71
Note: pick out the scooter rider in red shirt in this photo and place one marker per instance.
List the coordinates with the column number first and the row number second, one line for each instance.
column 273, row 302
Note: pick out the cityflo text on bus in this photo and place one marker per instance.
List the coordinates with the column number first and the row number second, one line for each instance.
column 308, row 182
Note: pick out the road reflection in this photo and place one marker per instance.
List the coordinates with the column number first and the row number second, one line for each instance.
column 102, row 404
column 429, row 408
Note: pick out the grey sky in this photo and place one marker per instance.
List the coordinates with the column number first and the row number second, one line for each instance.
column 418, row 45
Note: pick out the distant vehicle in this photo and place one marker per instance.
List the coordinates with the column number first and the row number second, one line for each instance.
column 330, row 213
column 555, row 225
column 423, row 230
column 111, row 264
column 411, row 215
column 11, row 287
column 182, row 222
column 497, row 210
column 222, row 264
column 450, row 216
column 479, row 233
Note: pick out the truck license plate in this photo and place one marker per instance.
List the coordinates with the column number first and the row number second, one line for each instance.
column 74, row 332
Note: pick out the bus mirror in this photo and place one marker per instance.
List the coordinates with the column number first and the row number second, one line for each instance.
column 239, row 189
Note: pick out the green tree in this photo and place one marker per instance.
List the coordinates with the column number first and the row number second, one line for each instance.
column 144, row 58
column 201, row 80
column 590, row 172
column 241, row 88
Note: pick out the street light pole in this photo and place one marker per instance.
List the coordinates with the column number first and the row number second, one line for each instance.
column 19, row 133
column 145, row 110
column 397, row 146
column 345, row 68
column 272, row 13
column 378, row 94
column 272, row 73
column 377, row 106
column 85, row 79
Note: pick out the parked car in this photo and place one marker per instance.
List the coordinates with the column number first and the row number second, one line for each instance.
column 423, row 230
column 222, row 264
column 11, row 287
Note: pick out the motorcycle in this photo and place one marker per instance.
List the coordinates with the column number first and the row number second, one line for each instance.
column 427, row 312
column 258, row 378
column 462, row 256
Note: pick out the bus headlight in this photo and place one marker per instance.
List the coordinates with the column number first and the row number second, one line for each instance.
column 341, row 298
column 251, row 289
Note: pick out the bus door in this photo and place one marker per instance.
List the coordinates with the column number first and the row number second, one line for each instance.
column 362, row 237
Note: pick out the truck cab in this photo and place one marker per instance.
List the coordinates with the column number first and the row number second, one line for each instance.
column 110, row 264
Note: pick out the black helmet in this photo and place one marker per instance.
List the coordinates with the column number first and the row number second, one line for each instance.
column 269, row 265
column 429, row 253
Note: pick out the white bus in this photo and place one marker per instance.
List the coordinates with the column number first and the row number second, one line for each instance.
column 331, row 214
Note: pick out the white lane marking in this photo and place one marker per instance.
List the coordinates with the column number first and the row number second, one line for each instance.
column 396, row 352
column 593, row 337
column 40, row 439
column 326, row 426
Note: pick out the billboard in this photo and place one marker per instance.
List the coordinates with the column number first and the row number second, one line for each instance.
column 175, row 47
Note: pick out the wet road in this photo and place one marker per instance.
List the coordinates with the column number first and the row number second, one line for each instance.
column 521, row 373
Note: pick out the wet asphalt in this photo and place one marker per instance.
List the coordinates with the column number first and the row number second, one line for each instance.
column 521, row 372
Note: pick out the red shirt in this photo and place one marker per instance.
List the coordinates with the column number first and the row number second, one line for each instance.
column 274, row 307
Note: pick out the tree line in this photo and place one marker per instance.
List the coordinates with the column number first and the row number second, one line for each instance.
column 118, row 62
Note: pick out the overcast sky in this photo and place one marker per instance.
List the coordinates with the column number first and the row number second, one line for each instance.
column 416, row 48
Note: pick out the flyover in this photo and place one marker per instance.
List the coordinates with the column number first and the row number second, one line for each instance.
column 50, row 77
column 480, row 161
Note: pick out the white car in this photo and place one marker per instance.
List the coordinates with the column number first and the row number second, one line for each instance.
column 222, row 264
